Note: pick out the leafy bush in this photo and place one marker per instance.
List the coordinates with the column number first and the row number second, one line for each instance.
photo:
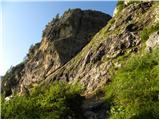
column 148, row 31
column 133, row 93
column 57, row 101
column 19, row 107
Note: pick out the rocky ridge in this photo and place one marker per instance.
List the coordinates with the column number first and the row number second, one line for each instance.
column 99, row 59
column 62, row 39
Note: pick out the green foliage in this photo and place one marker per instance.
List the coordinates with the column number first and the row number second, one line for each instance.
column 148, row 31
column 133, row 1
column 56, row 101
column 133, row 93
column 120, row 6
column 19, row 107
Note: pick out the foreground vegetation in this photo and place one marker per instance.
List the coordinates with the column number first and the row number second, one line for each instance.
column 133, row 93
column 58, row 101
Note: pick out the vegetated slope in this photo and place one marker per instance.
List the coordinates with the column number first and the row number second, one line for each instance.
column 122, row 57
column 96, row 63
column 133, row 92
column 62, row 39
column 55, row 101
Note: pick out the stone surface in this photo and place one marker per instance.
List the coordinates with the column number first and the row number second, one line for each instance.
column 152, row 42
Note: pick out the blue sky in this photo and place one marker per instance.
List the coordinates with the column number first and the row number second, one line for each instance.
column 23, row 22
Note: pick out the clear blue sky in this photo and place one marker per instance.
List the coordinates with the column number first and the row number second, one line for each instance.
column 23, row 23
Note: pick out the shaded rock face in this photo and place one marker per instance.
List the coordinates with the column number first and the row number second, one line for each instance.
column 11, row 79
column 95, row 64
column 62, row 39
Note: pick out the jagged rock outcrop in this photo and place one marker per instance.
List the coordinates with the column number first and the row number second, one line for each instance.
column 11, row 79
column 62, row 39
column 94, row 65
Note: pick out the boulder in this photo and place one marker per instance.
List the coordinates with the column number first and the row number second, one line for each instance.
column 152, row 42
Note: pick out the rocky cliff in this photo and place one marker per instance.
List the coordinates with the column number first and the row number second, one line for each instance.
column 65, row 36
column 62, row 39
column 120, row 37
column 83, row 47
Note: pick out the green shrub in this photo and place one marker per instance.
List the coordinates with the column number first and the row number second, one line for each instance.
column 133, row 93
column 148, row 31
column 120, row 6
column 57, row 101
column 133, row 1
column 18, row 107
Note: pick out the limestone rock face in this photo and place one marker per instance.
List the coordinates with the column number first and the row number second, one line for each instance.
column 62, row 39
column 95, row 64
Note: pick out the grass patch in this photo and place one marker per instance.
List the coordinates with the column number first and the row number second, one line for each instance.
column 133, row 93
column 120, row 6
column 57, row 101
column 148, row 31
